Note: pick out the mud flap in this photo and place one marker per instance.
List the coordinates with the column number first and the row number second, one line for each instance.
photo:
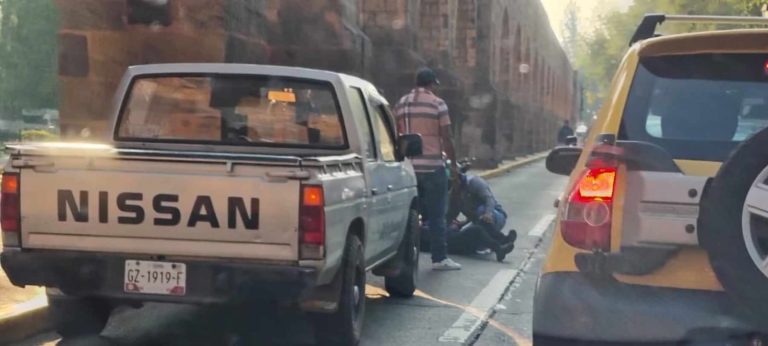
column 325, row 298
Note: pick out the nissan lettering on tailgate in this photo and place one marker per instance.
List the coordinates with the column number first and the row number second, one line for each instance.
column 163, row 209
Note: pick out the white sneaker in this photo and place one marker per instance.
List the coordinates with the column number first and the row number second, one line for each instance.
column 446, row 264
column 483, row 252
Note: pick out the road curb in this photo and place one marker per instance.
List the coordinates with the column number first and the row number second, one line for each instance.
column 512, row 165
column 23, row 324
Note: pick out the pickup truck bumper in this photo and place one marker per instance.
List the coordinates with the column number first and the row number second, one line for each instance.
column 102, row 275
column 571, row 306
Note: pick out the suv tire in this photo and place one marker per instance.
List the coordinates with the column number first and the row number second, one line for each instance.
column 403, row 285
column 723, row 235
column 344, row 326
column 73, row 317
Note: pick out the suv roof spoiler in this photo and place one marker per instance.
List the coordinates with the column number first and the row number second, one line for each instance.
column 647, row 27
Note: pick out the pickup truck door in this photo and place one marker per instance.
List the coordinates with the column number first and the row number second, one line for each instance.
column 376, row 189
column 393, row 200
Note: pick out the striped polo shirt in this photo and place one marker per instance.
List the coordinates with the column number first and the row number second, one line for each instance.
column 420, row 111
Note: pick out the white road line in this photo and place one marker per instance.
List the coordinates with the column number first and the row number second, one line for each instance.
column 542, row 225
column 480, row 308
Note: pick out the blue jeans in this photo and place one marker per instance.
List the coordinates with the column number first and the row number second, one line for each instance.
column 492, row 230
column 433, row 199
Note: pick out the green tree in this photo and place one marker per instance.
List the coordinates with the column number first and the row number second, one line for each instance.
column 598, row 54
column 571, row 29
column 28, row 56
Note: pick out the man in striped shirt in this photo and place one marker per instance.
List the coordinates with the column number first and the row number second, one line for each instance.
column 421, row 112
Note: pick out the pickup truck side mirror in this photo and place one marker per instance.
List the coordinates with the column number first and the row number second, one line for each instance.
column 562, row 160
column 409, row 145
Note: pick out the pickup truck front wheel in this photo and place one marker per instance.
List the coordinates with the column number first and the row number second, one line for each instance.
column 73, row 317
column 344, row 326
column 403, row 285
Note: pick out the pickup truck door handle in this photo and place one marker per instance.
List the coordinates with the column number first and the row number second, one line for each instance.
column 374, row 191
column 390, row 187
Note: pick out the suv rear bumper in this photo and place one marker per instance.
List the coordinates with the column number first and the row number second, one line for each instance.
column 102, row 275
column 569, row 305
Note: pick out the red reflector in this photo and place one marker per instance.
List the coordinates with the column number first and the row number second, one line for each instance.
column 10, row 211
column 583, row 236
column 312, row 216
column 313, row 225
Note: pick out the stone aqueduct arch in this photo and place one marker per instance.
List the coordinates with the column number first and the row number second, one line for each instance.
column 498, row 111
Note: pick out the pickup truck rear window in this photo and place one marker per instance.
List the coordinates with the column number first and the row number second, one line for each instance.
column 697, row 107
column 232, row 110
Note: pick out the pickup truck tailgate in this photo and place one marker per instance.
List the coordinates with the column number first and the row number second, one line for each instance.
column 181, row 207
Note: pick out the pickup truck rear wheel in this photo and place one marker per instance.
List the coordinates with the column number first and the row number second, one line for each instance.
column 733, row 227
column 73, row 317
column 344, row 326
column 403, row 285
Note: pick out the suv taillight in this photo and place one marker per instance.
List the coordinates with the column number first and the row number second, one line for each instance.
column 10, row 209
column 586, row 219
column 312, row 222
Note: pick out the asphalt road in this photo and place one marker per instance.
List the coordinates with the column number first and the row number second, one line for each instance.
column 486, row 303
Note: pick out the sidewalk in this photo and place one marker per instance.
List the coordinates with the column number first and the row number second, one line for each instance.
column 508, row 165
column 13, row 298
column 22, row 310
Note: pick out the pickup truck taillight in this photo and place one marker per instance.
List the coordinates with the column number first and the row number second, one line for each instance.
column 10, row 209
column 586, row 219
column 312, row 222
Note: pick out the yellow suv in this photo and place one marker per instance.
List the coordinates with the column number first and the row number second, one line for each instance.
column 633, row 258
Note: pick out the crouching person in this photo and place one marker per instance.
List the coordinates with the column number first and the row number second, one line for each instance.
column 472, row 197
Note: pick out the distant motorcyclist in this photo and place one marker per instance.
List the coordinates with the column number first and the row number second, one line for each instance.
column 565, row 132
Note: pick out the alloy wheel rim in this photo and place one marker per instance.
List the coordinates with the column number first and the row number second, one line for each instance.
column 754, row 222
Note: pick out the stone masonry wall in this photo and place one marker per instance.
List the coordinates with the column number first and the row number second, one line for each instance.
column 477, row 48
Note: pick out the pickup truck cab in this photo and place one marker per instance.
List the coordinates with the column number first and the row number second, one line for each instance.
column 223, row 183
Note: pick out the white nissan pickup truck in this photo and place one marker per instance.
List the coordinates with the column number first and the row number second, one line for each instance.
column 222, row 184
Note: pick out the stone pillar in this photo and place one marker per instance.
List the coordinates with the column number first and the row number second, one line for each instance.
column 392, row 28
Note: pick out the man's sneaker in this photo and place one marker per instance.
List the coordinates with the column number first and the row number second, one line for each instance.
column 446, row 264
column 511, row 236
column 483, row 252
column 503, row 250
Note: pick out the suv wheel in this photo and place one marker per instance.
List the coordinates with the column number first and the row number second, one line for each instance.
column 344, row 326
column 403, row 285
column 73, row 317
column 734, row 226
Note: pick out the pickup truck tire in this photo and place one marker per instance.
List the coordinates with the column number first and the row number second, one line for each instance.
column 734, row 239
column 344, row 326
column 403, row 285
column 73, row 317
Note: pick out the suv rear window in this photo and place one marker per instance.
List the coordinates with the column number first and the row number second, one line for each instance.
column 232, row 110
column 697, row 107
